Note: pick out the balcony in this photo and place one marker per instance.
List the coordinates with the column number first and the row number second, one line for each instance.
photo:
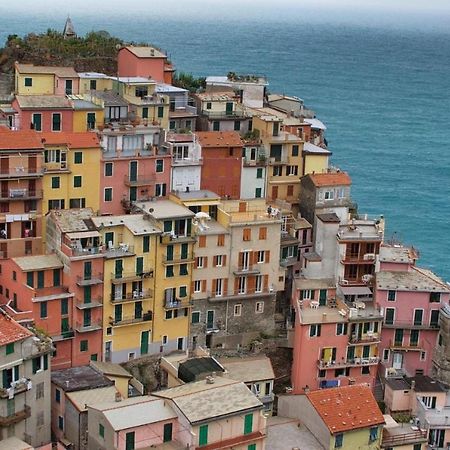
column 181, row 259
column 365, row 338
column 87, row 251
column 224, row 115
column 410, row 325
column 245, row 294
column 130, row 320
column 21, row 194
column 92, row 303
column 68, row 334
column 51, row 293
column 124, row 277
column 399, row 436
column 20, row 172
column 17, row 387
column 405, row 345
column 86, row 327
column 240, row 441
column 89, row 280
column 261, row 161
column 168, row 238
column 56, row 167
column 121, row 251
column 192, row 161
column 247, row 269
column 132, row 296
column 139, row 181
column 177, row 303
column 11, row 419
column 355, row 362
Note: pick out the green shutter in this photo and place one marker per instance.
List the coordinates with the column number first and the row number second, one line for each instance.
column 203, row 435
column 10, row 348
column 5, row 379
column 45, row 362
column 30, row 279
column 40, row 279
column 248, row 423
column 160, row 111
column 167, row 226
column 16, row 372
column 144, row 342
column 129, row 441
column 251, row 447
column 56, row 277
column 139, row 265
column 169, row 252
column 35, row 364
column 284, row 253
column 145, row 244
column 184, row 251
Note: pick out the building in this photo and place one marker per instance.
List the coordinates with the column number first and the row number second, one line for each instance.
column 411, row 298
column 72, row 391
column 217, row 413
column 441, row 359
column 134, row 423
column 254, row 170
column 403, row 436
column 222, row 155
column 21, row 161
column 342, row 417
column 25, row 390
column 150, row 62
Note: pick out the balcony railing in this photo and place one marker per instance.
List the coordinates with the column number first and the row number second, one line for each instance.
column 87, row 251
column 92, row 303
column 128, row 320
column 240, row 294
column 355, row 339
column 67, row 334
column 177, row 303
column 405, row 345
column 261, row 161
column 120, row 251
column 369, row 361
column 21, row 194
column 192, row 161
column 248, row 269
column 88, row 280
column 139, row 181
column 403, row 439
column 122, row 277
column 410, row 325
column 214, row 115
column 52, row 291
column 16, row 387
column 178, row 259
column 132, row 296
column 11, row 419
column 19, row 172
column 86, row 327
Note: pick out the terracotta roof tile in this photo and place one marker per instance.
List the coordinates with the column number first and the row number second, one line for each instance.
column 346, row 408
column 73, row 140
column 11, row 331
column 219, row 139
column 331, row 179
column 20, row 140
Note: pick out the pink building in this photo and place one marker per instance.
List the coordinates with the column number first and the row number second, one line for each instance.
column 333, row 345
column 410, row 298
column 147, row 62
column 133, row 168
column 43, row 113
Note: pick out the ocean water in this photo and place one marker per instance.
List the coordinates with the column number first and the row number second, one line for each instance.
column 383, row 92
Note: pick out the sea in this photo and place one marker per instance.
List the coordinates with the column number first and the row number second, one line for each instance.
column 382, row 89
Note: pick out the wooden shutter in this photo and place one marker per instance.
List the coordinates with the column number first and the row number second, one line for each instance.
column 225, row 286
column 202, row 241
column 214, row 261
column 236, row 285
column 203, row 285
column 266, row 283
column 267, row 256
column 205, row 262
column 192, row 287
column 263, row 233
column 251, row 284
column 213, row 288
column 224, row 260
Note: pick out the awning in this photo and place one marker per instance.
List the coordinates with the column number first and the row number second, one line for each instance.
column 356, row 290
column 83, row 234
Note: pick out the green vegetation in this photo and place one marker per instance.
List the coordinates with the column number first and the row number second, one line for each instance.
column 189, row 82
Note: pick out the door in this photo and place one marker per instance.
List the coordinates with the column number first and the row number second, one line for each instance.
column 32, row 186
column 87, row 317
column 4, row 165
column 37, row 122
column 398, row 337
column 87, row 294
column 32, row 164
column 133, row 170
column 418, row 316
column 366, row 351
column 118, row 313
column 87, row 270
column 229, row 108
column 90, row 121
column 167, row 435
column 350, row 353
column 144, row 344
column 108, row 349
column 184, row 251
column 210, row 319
column 323, row 297
column 129, row 441
column 118, row 268
column 118, row 294
column 133, row 194
column 138, row 310
column 180, row 343
column 397, row 360
column 4, row 187
column 139, row 266
column 274, row 192
column 69, row 87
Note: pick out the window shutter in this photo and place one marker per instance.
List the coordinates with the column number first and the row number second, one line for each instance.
column 284, row 252
column 312, row 294
column 224, row 260
column 267, row 256
column 213, row 288
column 34, row 364
column 45, row 362
column 5, row 378
column 236, row 285
column 205, row 262
column 203, row 285
column 214, row 261
column 319, row 329
column 225, row 286
column 251, row 284
column 241, row 259
column 266, row 282
column 16, row 372
column 192, row 287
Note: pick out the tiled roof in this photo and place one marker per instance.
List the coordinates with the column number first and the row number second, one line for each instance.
column 346, row 408
column 43, row 102
column 20, row 140
column 330, row 179
column 219, row 139
column 73, row 140
column 146, row 52
column 11, row 331
column 62, row 72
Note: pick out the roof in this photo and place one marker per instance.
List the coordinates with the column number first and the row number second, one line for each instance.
column 179, row 137
column 74, row 220
column 219, row 139
column 397, row 384
column 20, row 140
column 79, row 379
column 257, row 79
column 314, row 283
column 248, row 370
column 192, row 368
column 136, row 223
column 14, row 443
column 346, row 408
column 200, row 195
column 93, row 75
column 201, row 401
column 168, row 88
column 135, row 80
column 62, row 72
column 73, row 140
column 43, row 102
column 92, row 397
column 145, row 52
column 216, row 96
column 11, row 331
column 424, row 383
column 135, row 412
column 112, row 369
column 38, row 262
column 329, row 217
column 315, row 149
column 316, row 123
column 110, row 98
column 396, row 253
column 415, row 279
column 164, row 209
column 312, row 256
column 330, row 179
column 80, row 104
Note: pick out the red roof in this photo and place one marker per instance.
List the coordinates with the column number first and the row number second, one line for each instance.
column 331, row 179
column 346, row 408
column 20, row 140
column 11, row 331
column 219, row 139
column 87, row 139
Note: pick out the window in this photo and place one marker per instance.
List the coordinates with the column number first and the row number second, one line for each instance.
column 30, row 279
column 14, row 275
column 434, row 318
column 242, row 285
column 290, row 190
column 341, row 329
column 200, row 262
column 259, row 173
column 101, row 430
column 160, row 111
column 365, row 370
column 429, row 402
column 183, row 291
column 386, row 354
column 389, row 318
column 37, row 121
column 208, row 105
column 259, row 307
column 219, row 260
column 77, row 181
column 263, row 233
column 246, row 234
column 145, row 113
column 338, row 440
column 164, row 339
column 108, row 194
column 56, row 204
column 141, row 91
column 391, row 296
column 146, row 244
column 58, row 396
column 258, row 192
column 251, row 447
column 237, row 125
column 43, row 310
column 78, row 158
column 291, row 170
column 195, row 317
column 203, row 435
column 216, row 125
column 418, row 316
column 172, row 125
column 295, row 150
column 184, row 269
column 197, row 286
column 159, row 165
column 169, row 272
column 160, row 189
column 423, row 356
column 373, row 434
column 435, row 297
column 39, row 363
column 220, row 240
column 10, row 348
column 329, row 195
column 84, row 345
column 130, row 441
column 28, row 81
column 218, row 291
column 314, row 330
column 260, row 256
column 109, row 169
column 64, row 306
column 56, row 122
column 307, row 294
column 277, row 171
column 237, row 310
column 259, row 283
column 61, row 422
column 55, row 182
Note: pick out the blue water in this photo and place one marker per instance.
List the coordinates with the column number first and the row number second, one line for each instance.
column 383, row 91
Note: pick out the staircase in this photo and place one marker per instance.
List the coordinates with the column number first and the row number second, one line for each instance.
column 378, row 390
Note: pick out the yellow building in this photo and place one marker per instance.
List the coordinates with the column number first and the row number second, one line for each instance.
column 94, row 81
column 173, row 273
column 316, row 159
column 86, row 114
column 71, row 171
column 130, row 246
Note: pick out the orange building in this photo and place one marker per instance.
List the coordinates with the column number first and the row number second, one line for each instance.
column 222, row 162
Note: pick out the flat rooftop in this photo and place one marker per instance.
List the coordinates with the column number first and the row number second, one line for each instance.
column 415, row 279
column 74, row 220
column 395, row 253
column 43, row 102
column 248, row 370
column 38, row 262
column 322, row 314
column 136, row 223
column 202, row 194
column 360, row 230
column 311, row 283
column 91, row 397
column 213, row 227
column 164, row 209
column 79, row 378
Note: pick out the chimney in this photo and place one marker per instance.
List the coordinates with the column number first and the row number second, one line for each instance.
column 118, row 397
column 187, row 188
column 413, row 384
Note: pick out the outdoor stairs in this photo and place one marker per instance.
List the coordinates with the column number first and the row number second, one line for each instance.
column 378, row 391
